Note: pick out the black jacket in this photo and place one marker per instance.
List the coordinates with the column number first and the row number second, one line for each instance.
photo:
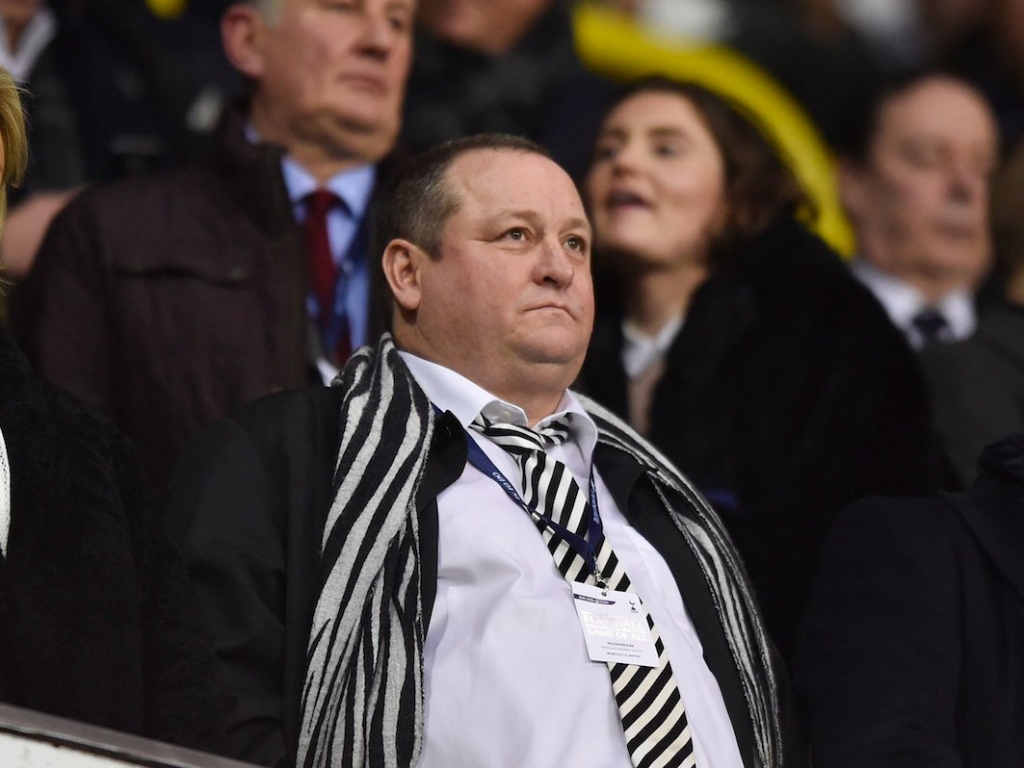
column 249, row 503
column 94, row 624
column 786, row 396
column 913, row 650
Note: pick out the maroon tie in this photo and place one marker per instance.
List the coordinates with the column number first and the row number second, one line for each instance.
column 323, row 272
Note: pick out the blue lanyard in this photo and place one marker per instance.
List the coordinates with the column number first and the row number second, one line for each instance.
column 595, row 531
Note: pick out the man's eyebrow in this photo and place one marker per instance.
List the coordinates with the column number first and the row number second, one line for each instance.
column 579, row 223
column 535, row 218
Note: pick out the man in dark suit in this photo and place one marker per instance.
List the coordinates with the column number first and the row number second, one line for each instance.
column 913, row 651
column 426, row 564
column 168, row 301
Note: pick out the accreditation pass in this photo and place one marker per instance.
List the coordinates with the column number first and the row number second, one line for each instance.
column 615, row 626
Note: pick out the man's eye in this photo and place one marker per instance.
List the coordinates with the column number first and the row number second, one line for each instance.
column 516, row 233
column 577, row 243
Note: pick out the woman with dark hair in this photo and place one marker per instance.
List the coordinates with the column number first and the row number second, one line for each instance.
column 737, row 341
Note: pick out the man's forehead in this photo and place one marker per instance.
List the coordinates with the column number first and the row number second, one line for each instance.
column 936, row 103
column 510, row 177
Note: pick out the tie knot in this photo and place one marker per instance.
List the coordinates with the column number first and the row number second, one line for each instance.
column 516, row 439
column 319, row 202
column 930, row 323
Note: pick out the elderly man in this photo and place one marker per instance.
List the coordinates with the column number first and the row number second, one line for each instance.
column 916, row 186
column 448, row 558
column 168, row 301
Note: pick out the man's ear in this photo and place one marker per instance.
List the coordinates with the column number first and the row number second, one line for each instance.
column 401, row 262
column 242, row 30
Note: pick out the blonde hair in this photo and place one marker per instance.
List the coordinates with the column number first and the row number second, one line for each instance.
column 15, row 139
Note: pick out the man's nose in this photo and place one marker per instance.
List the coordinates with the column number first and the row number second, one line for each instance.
column 555, row 264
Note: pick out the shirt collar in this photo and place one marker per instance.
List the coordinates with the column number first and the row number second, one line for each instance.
column 451, row 391
column 640, row 351
column 903, row 301
column 40, row 30
column 354, row 186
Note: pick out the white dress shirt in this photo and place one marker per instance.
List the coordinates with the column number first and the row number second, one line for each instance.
column 903, row 302
column 507, row 678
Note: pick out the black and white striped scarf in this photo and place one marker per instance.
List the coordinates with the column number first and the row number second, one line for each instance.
column 363, row 696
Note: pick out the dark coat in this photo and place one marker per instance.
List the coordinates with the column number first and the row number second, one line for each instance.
column 787, row 395
column 913, row 649
column 93, row 620
column 249, row 502
column 165, row 302
column 977, row 388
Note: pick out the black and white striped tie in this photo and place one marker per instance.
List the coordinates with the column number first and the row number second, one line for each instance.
column 650, row 706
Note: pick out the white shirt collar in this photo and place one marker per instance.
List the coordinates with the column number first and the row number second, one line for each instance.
column 903, row 301
column 451, row 391
column 38, row 33
column 640, row 351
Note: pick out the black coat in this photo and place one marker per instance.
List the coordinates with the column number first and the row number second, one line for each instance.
column 913, row 649
column 249, row 502
column 93, row 618
column 786, row 396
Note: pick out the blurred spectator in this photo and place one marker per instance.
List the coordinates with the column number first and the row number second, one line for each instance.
column 110, row 94
column 95, row 624
column 915, row 182
column 502, row 66
column 167, row 301
column 977, row 385
column 738, row 342
column 911, row 652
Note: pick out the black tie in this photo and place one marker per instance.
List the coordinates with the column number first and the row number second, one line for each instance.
column 931, row 325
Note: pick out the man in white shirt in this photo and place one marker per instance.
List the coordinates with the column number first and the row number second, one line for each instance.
column 915, row 184
column 385, row 582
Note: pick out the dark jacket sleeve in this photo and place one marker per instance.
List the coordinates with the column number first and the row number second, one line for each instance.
column 60, row 314
column 223, row 509
column 879, row 665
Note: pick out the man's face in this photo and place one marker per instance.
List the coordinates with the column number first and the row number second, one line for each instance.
column 509, row 297
column 920, row 205
column 331, row 76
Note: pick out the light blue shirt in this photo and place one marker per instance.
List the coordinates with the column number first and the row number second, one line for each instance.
column 354, row 187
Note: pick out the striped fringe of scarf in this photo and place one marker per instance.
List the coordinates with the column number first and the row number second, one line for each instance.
column 362, row 701
column 363, row 697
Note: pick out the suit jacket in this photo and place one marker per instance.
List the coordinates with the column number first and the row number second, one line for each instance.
column 913, row 649
column 167, row 301
column 249, row 503
column 977, row 388
column 94, row 624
